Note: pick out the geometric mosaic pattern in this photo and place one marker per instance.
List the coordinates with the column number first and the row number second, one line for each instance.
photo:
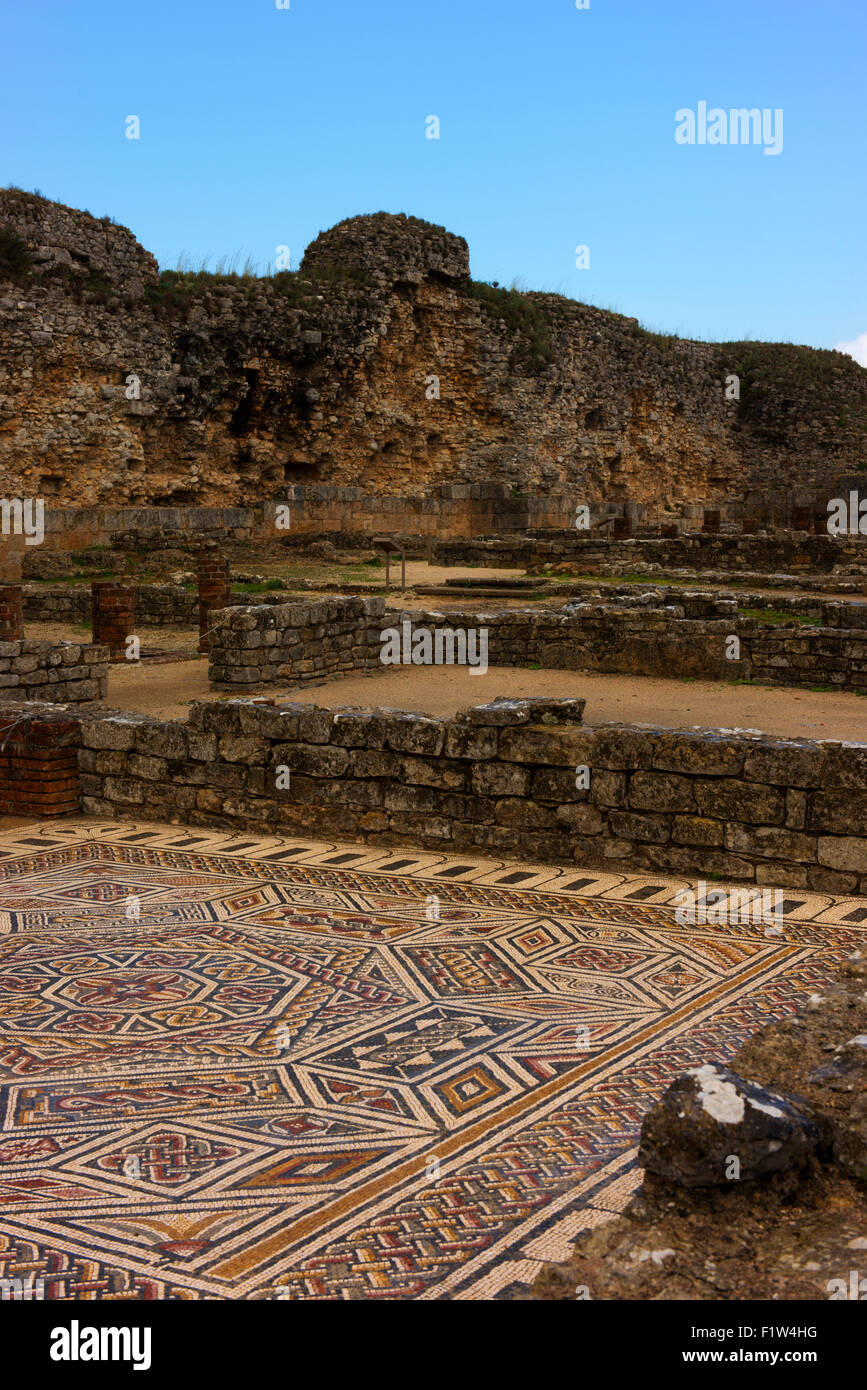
column 235, row 1068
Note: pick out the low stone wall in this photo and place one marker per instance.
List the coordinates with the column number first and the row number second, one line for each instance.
column 792, row 552
column 499, row 778
column 284, row 643
column 288, row 642
column 74, row 528
column 156, row 605
column 685, row 638
column 452, row 509
column 817, row 612
column 63, row 672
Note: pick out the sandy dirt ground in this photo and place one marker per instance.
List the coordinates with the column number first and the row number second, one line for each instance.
column 166, row 691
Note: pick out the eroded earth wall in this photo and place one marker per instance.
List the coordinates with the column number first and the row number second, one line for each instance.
column 378, row 364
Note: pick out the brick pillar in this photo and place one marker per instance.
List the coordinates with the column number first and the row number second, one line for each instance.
column 711, row 522
column 11, row 613
column 11, row 559
column 622, row 527
column 215, row 591
column 113, row 616
column 39, row 764
column 803, row 519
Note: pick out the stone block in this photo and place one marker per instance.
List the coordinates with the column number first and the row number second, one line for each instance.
column 317, row 760
column 847, row 853
column 374, row 762
column 771, row 842
column 697, row 830
column 619, row 748
column 116, row 733
column 661, row 791
column 415, row 733
column 708, row 754
column 243, row 748
column 554, row 746
column 580, row 818
column 786, row 764
column 314, row 725
column 470, row 741
column 149, row 769
column 124, row 791
column 632, row 825
column 438, row 772
column 731, row 799
column 162, row 740
column 525, row 814
column 500, row 779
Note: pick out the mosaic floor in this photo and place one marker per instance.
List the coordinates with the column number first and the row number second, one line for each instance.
column 237, row 1068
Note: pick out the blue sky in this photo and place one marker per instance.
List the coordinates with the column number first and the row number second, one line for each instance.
column 260, row 127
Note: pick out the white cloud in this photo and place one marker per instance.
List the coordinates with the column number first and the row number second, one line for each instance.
column 857, row 348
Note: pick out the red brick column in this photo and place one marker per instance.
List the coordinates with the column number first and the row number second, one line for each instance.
column 113, row 616
column 803, row 519
column 11, row 559
column 11, row 613
column 622, row 527
column 39, row 764
column 711, row 522
column 215, row 591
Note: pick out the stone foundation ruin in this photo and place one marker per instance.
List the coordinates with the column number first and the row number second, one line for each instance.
column 499, row 778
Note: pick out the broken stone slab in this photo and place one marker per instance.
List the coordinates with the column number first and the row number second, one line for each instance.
column 713, row 1127
column 503, row 711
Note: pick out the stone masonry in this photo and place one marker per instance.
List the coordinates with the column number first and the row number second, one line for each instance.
column 687, row 637
column 245, row 385
column 499, row 778
column 62, row 671
column 788, row 551
column 269, row 643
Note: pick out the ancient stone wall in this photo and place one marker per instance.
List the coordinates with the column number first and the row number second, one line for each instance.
column 379, row 363
column 688, row 637
column 449, row 511
column 481, row 523
column 62, row 671
column 499, row 778
column 156, row 605
column 75, row 528
column 793, row 552
column 288, row 642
